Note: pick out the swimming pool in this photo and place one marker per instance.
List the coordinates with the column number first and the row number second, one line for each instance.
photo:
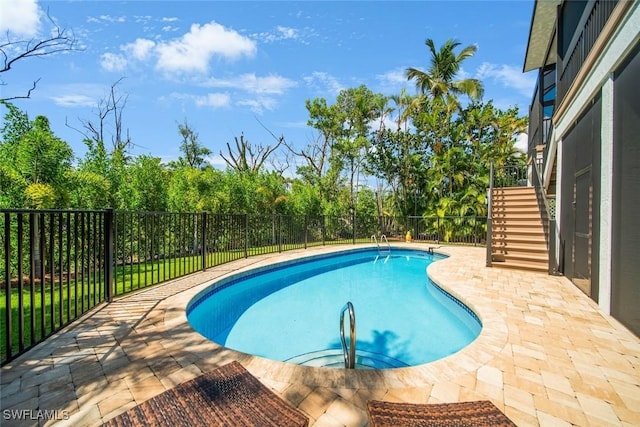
column 290, row 311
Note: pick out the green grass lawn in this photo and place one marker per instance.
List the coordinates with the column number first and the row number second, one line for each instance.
column 43, row 313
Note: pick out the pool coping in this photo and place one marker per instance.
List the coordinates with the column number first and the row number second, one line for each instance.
column 491, row 340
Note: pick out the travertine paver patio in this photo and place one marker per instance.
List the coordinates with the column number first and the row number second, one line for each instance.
column 546, row 356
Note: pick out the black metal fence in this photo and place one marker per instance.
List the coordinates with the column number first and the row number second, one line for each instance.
column 57, row 265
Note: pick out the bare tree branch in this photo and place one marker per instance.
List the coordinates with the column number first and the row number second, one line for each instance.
column 248, row 158
column 12, row 51
column 111, row 106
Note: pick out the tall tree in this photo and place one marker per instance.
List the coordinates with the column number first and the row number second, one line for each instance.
column 34, row 164
column 193, row 151
column 440, row 79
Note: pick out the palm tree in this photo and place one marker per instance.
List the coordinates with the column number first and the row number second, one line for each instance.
column 439, row 80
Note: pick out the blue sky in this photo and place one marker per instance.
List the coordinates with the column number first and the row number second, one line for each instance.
column 227, row 66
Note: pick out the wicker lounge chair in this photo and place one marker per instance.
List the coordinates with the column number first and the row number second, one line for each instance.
column 481, row 413
column 227, row 396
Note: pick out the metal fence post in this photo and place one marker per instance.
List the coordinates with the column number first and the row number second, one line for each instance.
column 323, row 230
column 246, row 235
column 306, row 230
column 8, row 331
column 279, row 232
column 109, row 255
column 353, row 219
column 204, row 241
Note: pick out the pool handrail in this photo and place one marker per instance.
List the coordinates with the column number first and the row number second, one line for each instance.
column 350, row 355
column 382, row 237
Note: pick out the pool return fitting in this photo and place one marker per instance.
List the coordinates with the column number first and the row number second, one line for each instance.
column 350, row 354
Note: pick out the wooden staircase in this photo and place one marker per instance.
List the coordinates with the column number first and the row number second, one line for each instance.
column 518, row 238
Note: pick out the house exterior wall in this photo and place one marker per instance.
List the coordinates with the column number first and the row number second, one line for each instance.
column 614, row 143
column 625, row 265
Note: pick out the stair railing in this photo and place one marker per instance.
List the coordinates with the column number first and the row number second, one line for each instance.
column 541, row 195
column 490, row 218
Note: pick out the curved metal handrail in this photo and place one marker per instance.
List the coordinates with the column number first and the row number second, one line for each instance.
column 350, row 355
column 384, row 238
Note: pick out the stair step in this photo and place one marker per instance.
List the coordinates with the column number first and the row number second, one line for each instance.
column 516, row 215
column 522, row 247
column 514, row 190
column 522, row 265
column 519, row 240
column 510, row 208
column 528, row 257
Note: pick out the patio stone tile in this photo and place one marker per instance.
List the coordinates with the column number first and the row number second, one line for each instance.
column 16, row 414
column 54, row 373
column 181, row 375
column 521, row 419
column 91, row 387
column 446, row 392
column 492, row 392
column 550, row 420
column 317, row 402
column 627, row 416
column 556, row 382
column 88, row 415
column 598, row 409
column 326, row 420
column 145, row 389
column 117, row 411
column 556, row 409
column 347, row 413
column 296, row 393
column 115, row 403
column 519, row 399
column 546, row 355
column 19, row 397
column 362, row 396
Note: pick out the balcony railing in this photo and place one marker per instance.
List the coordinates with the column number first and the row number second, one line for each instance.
column 593, row 21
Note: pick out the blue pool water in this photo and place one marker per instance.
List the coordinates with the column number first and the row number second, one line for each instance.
column 291, row 311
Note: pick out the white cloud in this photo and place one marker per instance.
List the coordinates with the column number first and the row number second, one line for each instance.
column 169, row 19
column 20, row 17
column 193, row 51
column 259, row 104
column 249, row 82
column 77, row 94
column 324, row 81
column 141, row 49
column 509, row 76
column 287, row 33
column 109, row 18
column 280, row 33
column 215, row 100
column 74, row 100
column 113, row 62
column 393, row 77
column 190, row 53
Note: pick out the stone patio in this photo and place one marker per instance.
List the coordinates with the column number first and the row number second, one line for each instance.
column 546, row 356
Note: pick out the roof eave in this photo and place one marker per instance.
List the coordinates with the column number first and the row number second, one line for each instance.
column 543, row 22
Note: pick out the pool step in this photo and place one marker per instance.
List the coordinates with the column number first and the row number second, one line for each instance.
column 333, row 358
